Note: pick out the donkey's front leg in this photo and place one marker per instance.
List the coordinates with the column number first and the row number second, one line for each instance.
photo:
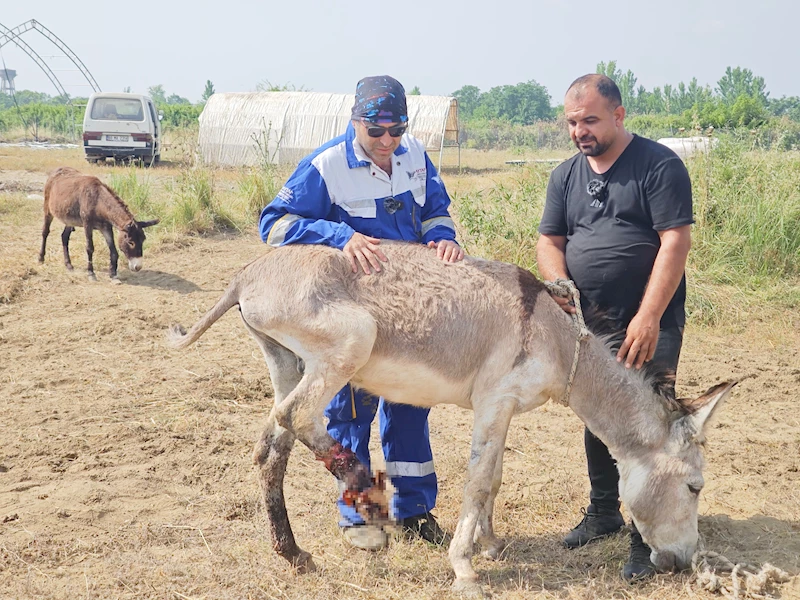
column 89, row 250
column 484, row 532
column 488, row 442
column 108, row 234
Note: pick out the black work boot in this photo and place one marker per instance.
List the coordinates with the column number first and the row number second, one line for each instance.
column 638, row 566
column 597, row 523
column 426, row 527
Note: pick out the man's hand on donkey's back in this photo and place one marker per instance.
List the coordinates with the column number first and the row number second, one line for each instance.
column 447, row 250
column 363, row 250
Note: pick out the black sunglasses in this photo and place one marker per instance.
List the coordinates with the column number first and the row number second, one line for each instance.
column 376, row 131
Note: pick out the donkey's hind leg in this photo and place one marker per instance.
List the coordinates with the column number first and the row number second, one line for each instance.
column 89, row 231
column 65, row 245
column 48, row 220
column 271, row 453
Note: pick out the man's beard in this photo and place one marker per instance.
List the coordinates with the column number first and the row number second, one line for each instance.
column 596, row 150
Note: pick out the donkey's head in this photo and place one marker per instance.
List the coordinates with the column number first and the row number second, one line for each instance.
column 131, row 242
column 661, row 486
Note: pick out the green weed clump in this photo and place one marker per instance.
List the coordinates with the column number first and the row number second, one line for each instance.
column 135, row 191
column 258, row 186
column 193, row 206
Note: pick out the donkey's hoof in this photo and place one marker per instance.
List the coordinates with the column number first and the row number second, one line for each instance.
column 116, row 281
column 69, row 267
column 304, row 563
column 468, row 588
column 92, row 277
column 494, row 549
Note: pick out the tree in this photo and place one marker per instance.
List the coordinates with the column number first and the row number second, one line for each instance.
column 521, row 104
column 468, row 99
column 157, row 93
column 625, row 82
column 786, row 106
column 176, row 99
column 748, row 111
column 610, row 70
column 627, row 89
column 209, row 91
column 415, row 91
column 740, row 81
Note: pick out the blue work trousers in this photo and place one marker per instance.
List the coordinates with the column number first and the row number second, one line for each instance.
column 406, row 448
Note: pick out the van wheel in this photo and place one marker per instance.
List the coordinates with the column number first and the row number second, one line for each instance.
column 157, row 159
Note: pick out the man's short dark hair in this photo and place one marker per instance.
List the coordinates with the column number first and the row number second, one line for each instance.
column 604, row 85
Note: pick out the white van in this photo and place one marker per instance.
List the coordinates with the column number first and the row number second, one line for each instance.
column 122, row 127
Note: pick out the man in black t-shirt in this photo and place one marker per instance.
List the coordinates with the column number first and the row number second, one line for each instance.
column 617, row 222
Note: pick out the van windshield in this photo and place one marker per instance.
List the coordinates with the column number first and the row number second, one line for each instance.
column 117, row 109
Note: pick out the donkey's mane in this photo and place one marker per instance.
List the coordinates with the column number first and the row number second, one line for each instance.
column 609, row 331
column 119, row 200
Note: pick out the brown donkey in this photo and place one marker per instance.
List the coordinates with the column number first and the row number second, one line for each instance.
column 80, row 200
column 480, row 334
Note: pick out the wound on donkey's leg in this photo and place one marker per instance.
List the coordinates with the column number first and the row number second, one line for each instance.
column 362, row 491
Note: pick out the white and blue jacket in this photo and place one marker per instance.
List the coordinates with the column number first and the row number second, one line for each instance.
column 337, row 190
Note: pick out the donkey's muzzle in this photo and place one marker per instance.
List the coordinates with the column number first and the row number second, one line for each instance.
column 135, row 264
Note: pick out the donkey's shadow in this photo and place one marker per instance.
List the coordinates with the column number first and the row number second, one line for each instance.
column 160, row 280
column 541, row 563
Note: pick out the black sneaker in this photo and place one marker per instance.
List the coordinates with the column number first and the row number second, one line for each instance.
column 638, row 566
column 425, row 527
column 596, row 524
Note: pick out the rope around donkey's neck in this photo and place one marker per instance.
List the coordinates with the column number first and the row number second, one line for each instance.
column 565, row 288
column 706, row 566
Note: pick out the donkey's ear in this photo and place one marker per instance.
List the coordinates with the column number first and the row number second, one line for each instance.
column 702, row 409
column 144, row 224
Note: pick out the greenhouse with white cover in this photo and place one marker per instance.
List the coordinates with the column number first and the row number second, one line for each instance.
column 244, row 129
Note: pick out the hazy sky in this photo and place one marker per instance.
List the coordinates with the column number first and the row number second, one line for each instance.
column 438, row 45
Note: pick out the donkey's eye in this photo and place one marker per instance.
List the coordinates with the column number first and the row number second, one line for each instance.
column 695, row 489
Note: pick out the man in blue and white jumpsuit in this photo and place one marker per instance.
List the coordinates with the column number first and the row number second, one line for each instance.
column 374, row 182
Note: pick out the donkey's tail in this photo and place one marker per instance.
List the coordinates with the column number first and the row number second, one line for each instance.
column 178, row 337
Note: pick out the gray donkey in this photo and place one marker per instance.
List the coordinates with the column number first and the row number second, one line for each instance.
column 480, row 334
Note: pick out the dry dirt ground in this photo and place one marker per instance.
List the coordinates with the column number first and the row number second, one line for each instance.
column 125, row 466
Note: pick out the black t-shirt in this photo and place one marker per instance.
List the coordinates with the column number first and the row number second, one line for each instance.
column 611, row 222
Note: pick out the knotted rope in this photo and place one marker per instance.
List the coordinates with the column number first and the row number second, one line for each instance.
column 706, row 566
column 565, row 288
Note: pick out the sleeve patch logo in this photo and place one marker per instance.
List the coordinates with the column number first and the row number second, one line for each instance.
column 286, row 194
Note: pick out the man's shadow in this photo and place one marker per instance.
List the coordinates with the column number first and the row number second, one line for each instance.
column 159, row 280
